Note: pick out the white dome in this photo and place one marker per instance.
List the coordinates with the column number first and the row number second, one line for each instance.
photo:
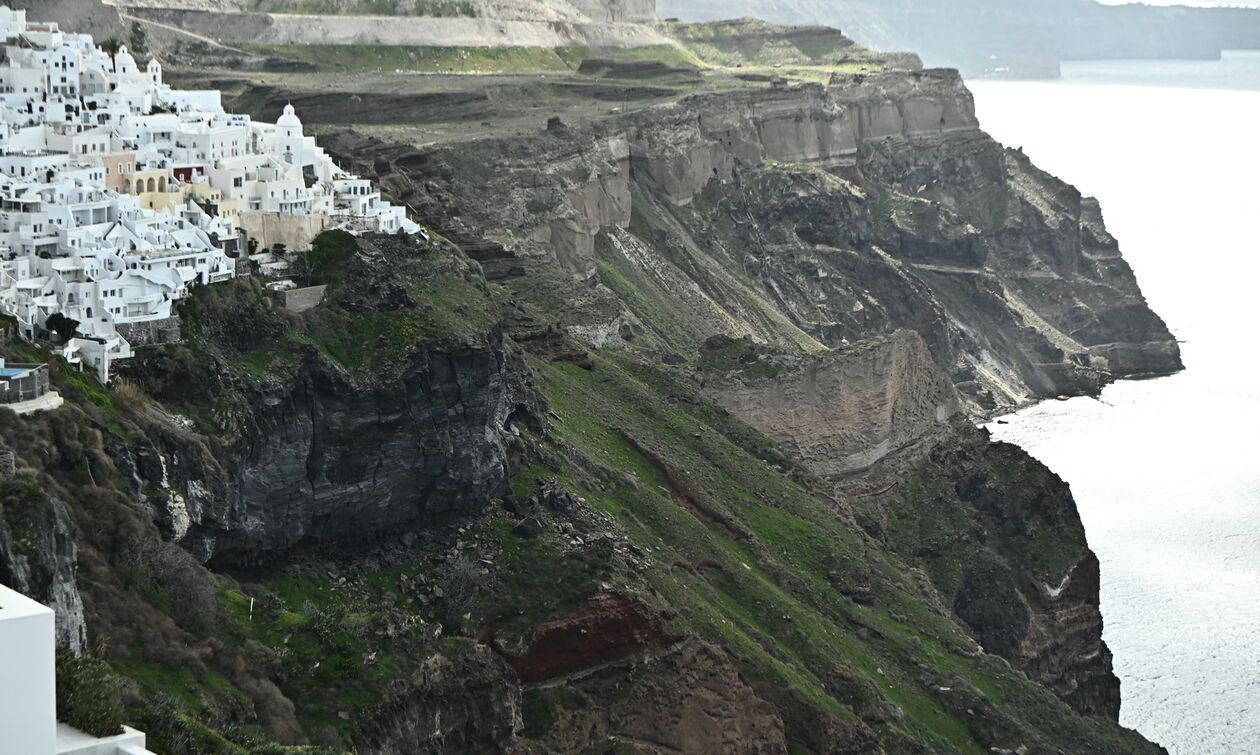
column 289, row 119
column 123, row 62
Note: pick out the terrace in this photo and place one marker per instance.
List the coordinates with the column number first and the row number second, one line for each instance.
column 25, row 387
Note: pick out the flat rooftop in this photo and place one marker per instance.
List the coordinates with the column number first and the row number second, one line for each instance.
column 15, row 605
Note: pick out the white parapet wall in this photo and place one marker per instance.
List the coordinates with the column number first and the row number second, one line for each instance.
column 71, row 741
column 28, row 696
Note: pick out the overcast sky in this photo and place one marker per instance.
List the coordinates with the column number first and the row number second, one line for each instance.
column 1204, row 3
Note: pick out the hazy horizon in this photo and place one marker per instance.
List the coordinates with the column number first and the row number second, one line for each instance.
column 1194, row 3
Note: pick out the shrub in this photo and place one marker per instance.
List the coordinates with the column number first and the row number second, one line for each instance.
column 170, row 578
column 88, row 695
column 128, row 393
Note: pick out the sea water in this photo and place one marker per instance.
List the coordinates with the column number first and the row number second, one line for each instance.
column 1166, row 472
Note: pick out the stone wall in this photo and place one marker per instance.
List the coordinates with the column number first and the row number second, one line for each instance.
column 28, row 387
column 151, row 332
column 301, row 299
column 294, row 231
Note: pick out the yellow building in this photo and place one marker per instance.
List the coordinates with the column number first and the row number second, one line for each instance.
column 204, row 193
column 155, row 189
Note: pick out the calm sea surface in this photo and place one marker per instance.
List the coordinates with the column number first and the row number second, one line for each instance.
column 1166, row 472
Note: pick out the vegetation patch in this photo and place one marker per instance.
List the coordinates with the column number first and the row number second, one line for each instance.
column 743, row 355
column 333, row 658
column 750, row 43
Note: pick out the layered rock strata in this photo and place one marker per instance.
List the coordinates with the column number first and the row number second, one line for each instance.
column 811, row 217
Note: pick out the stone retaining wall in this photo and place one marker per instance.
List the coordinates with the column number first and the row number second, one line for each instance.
column 151, row 332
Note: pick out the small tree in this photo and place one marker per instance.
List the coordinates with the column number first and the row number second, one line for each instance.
column 63, row 326
column 139, row 39
column 111, row 47
column 329, row 257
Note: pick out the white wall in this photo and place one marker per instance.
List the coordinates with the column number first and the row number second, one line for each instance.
column 28, row 700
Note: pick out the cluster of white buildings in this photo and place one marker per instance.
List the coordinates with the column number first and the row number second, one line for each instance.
column 118, row 193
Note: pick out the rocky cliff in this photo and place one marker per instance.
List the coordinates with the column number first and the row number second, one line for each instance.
column 345, row 439
column 472, row 24
column 840, row 412
column 658, row 444
column 878, row 421
column 807, row 217
column 39, row 555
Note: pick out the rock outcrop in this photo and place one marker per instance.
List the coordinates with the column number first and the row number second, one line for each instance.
column 607, row 629
column 841, row 412
column 465, row 703
column 1007, row 552
column 689, row 700
column 423, row 449
column 38, row 557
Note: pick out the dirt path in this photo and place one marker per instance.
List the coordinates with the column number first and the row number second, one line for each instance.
column 182, row 33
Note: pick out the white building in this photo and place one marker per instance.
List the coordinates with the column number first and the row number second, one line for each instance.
column 118, row 193
column 28, row 699
column 28, row 689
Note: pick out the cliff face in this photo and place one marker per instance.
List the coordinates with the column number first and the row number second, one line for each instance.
column 806, row 219
column 809, row 217
column 840, row 413
column 340, row 444
column 425, row 448
column 1004, row 547
column 467, row 703
column 38, row 556
column 659, row 443
column 1007, row 551
column 483, row 24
